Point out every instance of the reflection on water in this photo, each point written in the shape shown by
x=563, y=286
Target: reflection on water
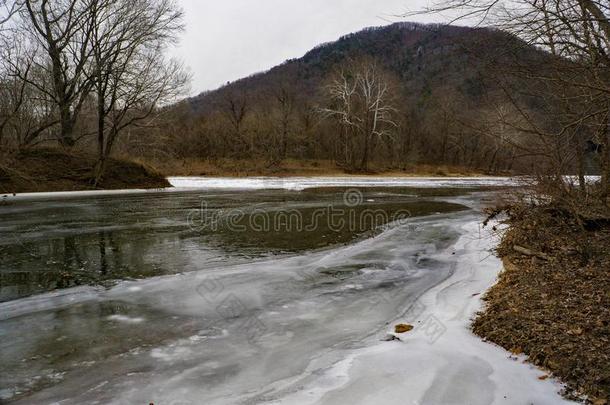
x=47, y=245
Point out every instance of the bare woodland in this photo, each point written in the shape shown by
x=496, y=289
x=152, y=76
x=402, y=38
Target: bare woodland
x=356, y=103
x=83, y=72
x=361, y=105
x=572, y=87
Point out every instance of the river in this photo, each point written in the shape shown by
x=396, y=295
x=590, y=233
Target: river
x=217, y=292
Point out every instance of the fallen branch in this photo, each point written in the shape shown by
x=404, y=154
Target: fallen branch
x=529, y=252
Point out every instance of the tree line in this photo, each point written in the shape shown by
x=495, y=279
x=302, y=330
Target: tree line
x=94, y=74
x=542, y=108
x=358, y=113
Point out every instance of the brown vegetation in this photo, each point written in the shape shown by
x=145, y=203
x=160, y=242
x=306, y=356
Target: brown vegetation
x=294, y=167
x=56, y=170
x=552, y=301
x=403, y=328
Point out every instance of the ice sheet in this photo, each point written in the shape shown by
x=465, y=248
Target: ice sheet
x=301, y=183
x=441, y=361
x=52, y=195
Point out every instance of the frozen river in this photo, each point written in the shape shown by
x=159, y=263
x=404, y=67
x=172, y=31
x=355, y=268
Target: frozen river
x=227, y=294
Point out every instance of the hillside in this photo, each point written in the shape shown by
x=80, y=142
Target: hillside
x=425, y=57
x=445, y=82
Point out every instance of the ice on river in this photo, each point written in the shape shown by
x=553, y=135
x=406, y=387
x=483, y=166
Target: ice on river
x=440, y=361
x=297, y=328
x=284, y=183
x=302, y=183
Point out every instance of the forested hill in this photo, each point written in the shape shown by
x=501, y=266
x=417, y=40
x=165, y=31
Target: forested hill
x=443, y=82
x=426, y=57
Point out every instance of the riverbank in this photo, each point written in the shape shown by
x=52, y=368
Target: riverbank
x=46, y=169
x=293, y=167
x=552, y=301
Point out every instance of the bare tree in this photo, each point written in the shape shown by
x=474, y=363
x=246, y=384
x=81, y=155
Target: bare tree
x=361, y=103
x=25, y=112
x=151, y=82
x=63, y=30
x=236, y=109
x=286, y=103
x=12, y=89
x=577, y=34
x=131, y=77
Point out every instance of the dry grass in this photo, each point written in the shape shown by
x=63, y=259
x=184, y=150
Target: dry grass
x=292, y=167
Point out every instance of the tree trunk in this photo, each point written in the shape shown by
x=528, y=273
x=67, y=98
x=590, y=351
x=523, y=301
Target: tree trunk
x=605, y=181
x=599, y=15
x=66, y=138
x=490, y=168
x=364, y=164
x=63, y=100
x=580, y=155
x=284, y=148
x=100, y=167
x=100, y=129
x=444, y=146
x=98, y=171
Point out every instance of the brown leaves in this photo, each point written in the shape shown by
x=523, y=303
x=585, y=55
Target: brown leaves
x=403, y=328
x=516, y=351
x=575, y=331
x=556, y=311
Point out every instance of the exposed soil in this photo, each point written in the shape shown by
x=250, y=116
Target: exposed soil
x=552, y=301
x=45, y=169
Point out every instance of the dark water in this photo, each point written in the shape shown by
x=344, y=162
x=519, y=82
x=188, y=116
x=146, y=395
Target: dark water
x=48, y=245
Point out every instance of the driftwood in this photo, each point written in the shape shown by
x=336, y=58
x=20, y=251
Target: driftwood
x=529, y=252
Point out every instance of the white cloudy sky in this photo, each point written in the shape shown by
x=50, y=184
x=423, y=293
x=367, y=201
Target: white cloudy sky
x=229, y=39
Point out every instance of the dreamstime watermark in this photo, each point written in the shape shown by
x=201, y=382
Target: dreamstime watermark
x=353, y=197
x=417, y=315
x=227, y=305
x=352, y=215
x=429, y=325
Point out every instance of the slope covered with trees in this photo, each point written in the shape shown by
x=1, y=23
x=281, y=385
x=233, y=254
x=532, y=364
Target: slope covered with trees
x=444, y=88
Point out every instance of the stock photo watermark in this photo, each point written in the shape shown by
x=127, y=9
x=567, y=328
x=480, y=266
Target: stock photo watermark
x=352, y=213
x=228, y=305
x=430, y=326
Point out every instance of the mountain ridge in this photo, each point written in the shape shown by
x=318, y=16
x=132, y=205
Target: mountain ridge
x=416, y=38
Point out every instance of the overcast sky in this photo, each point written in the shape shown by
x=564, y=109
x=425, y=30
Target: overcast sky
x=229, y=39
